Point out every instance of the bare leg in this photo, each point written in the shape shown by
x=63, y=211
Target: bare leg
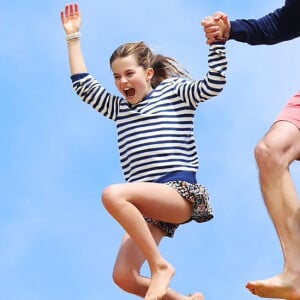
x=128, y=265
x=274, y=154
x=127, y=203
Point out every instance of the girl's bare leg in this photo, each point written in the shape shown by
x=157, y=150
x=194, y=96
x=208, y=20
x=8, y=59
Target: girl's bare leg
x=128, y=203
x=279, y=148
x=128, y=265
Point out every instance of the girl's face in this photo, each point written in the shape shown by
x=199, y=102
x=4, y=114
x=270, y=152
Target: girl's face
x=132, y=80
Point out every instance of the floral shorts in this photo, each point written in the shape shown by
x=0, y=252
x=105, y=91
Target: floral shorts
x=196, y=194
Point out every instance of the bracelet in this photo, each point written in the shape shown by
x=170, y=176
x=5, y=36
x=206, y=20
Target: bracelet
x=73, y=36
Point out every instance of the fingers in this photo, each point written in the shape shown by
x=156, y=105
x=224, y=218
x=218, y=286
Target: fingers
x=211, y=40
x=216, y=27
x=219, y=15
x=64, y=14
x=225, y=20
x=77, y=12
x=70, y=11
x=211, y=36
x=62, y=17
x=207, y=21
x=210, y=28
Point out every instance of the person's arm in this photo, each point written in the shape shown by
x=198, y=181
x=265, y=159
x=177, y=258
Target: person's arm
x=196, y=91
x=71, y=20
x=87, y=87
x=281, y=25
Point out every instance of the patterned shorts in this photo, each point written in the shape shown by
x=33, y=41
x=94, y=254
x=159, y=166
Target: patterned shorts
x=196, y=194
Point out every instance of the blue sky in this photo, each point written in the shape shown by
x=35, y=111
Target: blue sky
x=57, y=154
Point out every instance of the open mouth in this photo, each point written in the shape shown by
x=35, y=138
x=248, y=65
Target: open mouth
x=129, y=92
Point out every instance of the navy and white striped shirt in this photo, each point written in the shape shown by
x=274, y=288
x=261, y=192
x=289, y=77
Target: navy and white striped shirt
x=156, y=136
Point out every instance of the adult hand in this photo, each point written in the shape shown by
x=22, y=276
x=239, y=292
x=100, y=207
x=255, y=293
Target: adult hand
x=216, y=27
x=71, y=18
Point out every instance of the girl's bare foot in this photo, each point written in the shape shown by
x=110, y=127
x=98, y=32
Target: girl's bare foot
x=159, y=283
x=281, y=286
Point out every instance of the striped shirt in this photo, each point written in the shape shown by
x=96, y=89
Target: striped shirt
x=156, y=136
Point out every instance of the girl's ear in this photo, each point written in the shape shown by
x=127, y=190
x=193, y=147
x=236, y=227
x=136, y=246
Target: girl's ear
x=150, y=73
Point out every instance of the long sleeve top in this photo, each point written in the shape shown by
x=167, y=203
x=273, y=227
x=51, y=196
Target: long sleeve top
x=281, y=25
x=156, y=136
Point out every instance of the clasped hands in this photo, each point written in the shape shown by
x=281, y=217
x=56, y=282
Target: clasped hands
x=216, y=28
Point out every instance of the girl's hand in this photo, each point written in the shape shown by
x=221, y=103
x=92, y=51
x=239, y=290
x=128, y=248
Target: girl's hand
x=216, y=27
x=71, y=18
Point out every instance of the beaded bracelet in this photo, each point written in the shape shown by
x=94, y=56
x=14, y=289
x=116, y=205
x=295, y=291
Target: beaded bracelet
x=73, y=36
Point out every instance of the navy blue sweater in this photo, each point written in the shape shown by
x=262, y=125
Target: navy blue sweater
x=281, y=25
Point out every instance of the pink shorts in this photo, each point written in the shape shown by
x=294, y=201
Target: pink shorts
x=291, y=112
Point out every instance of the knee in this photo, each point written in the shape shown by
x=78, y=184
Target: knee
x=126, y=280
x=267, y=157
x=261, y=153
x=110, y=197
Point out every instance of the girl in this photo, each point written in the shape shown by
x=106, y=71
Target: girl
x=154, y=120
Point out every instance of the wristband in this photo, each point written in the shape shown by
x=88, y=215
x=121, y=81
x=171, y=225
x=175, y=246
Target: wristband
x=73, y=36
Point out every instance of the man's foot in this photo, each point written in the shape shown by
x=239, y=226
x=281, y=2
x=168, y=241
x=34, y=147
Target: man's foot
x=159, y=283
x=196, y=296
x=276, y=287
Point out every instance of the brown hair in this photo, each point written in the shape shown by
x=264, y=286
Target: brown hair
x=164, y=67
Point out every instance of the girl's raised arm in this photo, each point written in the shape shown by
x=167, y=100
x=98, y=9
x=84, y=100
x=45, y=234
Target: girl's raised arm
x=71, y=20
